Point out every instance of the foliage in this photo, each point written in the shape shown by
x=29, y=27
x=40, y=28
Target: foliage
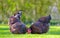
x=32, y=9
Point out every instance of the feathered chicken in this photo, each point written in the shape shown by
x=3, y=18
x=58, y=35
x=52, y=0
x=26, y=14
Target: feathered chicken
x=41, y=26
x=16, y=26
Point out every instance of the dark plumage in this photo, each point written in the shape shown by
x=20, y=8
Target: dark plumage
x=16, y=26
x=41, y=26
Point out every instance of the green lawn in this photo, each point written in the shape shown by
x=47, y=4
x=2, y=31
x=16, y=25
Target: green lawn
x=54, y=32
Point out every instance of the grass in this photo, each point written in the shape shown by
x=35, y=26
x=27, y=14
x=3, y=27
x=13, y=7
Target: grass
x=54, y=32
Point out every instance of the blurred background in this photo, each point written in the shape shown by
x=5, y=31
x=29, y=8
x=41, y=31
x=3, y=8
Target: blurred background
x=32, y=10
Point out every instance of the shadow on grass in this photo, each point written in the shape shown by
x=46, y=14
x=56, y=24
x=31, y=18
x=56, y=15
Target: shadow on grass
x=49, y=33
x=4, y=28
x=4, y=33
x=52, y=31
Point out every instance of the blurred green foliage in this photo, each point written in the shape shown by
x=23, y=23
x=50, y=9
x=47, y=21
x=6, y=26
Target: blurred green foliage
x=32, y=9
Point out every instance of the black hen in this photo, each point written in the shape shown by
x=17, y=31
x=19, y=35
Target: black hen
x=16, y=26
x=41, y=26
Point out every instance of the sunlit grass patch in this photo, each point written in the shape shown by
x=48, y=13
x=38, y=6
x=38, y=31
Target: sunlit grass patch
x=54, y=32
